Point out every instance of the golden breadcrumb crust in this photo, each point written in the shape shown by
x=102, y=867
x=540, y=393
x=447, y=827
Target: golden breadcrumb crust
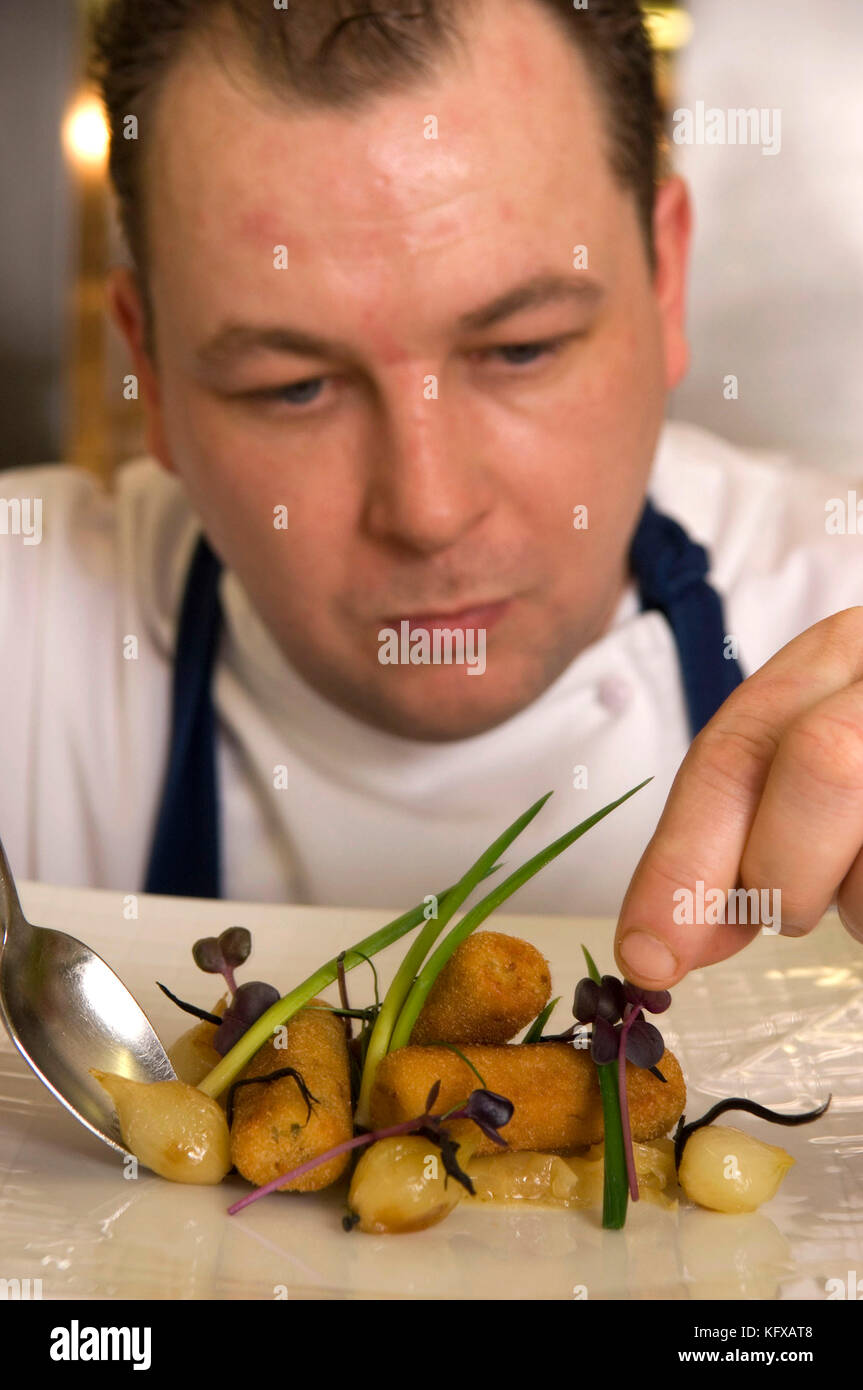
x=491, y=988
x=553, y=1086
x=272, y=1132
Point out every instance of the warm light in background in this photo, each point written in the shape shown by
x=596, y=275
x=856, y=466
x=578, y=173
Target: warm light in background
x=85, y=133
x=669, y=28
x=85, y=130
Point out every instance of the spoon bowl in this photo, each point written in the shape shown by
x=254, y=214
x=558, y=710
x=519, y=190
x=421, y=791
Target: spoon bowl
x=66, y=1011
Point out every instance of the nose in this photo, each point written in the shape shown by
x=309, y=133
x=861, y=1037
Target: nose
x=427, y=486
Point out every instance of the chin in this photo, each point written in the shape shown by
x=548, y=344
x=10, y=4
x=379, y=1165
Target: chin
x=445, y=710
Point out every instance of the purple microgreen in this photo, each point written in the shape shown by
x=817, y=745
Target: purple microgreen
x=603, y=1005
x=615, y=1191
x=229, y=1068
x=628, y=1024
x=432, y=1096
x=229, y=1032
x=449, y=1148
x=534, y=1032
x=491, y=1112
x=613, y=998
x=586, y=1002
x=644, y=1045
x=603, y=1000
x=265, y=1080
x=190, y=1008
x=221, y=955
x=751, y=1107
x=207, y=955
x=492, y=1134
x=489, y=1108
x=657, y=1073
x=250, y=1002
x=655, y=1001
x=228, y=972
x=236, y=944
x=604, y=1044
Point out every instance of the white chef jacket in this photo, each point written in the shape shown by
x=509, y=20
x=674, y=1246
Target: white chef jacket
x=367, y=819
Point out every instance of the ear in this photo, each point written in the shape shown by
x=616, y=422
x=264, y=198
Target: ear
x=672, y=233
x=126, y=306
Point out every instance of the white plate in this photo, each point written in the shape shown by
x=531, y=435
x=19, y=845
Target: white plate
x=781, y=1022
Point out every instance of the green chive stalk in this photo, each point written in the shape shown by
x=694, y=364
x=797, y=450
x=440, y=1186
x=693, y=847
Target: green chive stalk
x=419, y=992
x=535, y=1031
x=226, y=1071
x=380, y=1040
x=615, y=1192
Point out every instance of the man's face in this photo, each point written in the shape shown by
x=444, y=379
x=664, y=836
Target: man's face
x=429, y=461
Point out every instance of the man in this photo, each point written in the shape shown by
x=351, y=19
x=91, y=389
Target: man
x=406, y=309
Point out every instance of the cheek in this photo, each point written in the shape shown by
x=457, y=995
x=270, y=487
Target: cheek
x=620, y=407
x=242, y=479
x=609, y=423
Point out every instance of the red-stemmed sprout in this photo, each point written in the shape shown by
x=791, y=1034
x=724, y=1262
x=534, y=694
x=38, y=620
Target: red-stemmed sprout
x=487, y=1109
x=614, y=1007
x=250, y=1001
x=221, y=956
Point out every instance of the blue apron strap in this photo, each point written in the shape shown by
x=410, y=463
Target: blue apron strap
x=184, y=859
x=671, y=573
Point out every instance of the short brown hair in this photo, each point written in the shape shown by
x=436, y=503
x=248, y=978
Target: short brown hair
x=336, y=53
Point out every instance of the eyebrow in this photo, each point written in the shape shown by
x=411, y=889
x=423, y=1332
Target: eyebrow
x=236, y=340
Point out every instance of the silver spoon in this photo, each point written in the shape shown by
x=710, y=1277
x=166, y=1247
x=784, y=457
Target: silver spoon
x=66, y=1011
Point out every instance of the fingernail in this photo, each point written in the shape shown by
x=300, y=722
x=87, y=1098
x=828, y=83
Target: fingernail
x=646, y=955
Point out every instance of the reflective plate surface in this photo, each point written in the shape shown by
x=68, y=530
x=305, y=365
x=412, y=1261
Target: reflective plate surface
x=781, y=1022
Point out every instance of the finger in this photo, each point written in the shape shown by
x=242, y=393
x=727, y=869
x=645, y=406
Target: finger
x=808, y=827
x=703, y=830
x=849, y=900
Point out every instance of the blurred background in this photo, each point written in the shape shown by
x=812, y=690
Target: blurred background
x=776, y=293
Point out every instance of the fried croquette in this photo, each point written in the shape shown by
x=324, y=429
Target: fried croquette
x=554, y=1088
x=272, y=1130
x=493, y=986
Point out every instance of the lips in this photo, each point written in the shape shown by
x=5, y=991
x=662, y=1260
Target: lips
x=475, y=615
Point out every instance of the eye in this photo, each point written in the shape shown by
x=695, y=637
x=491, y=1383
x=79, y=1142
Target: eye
x=525, y=354
x=298, y=393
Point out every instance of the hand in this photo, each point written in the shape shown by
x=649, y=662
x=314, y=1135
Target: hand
x=769, y=797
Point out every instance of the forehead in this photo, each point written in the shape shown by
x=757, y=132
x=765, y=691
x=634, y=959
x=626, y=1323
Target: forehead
x=505, y=147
